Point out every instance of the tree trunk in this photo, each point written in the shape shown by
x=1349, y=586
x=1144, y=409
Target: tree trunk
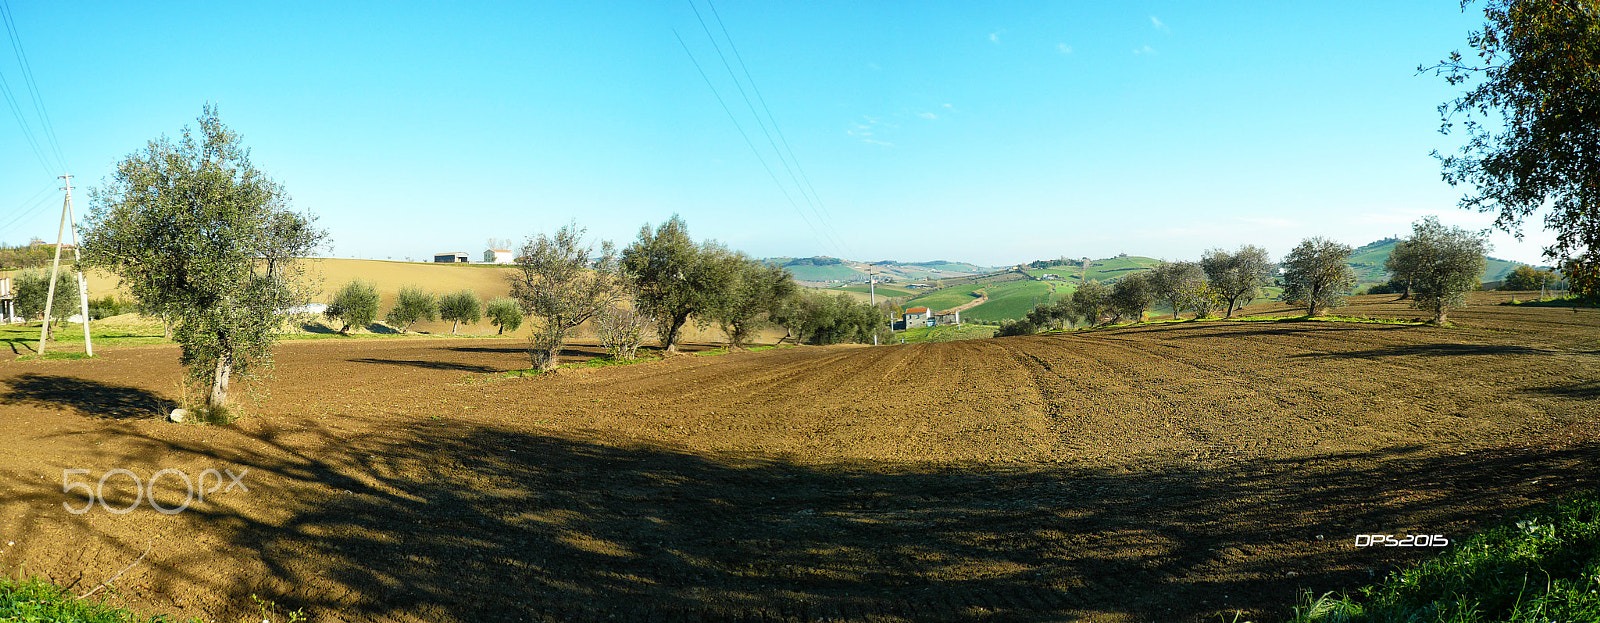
x=219, y=380
x=671, y=337
x=502, y=330
x=453, y=325
x=1438, y=316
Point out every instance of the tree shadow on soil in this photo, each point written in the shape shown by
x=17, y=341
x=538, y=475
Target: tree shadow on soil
x=88, y=398
x=486, y=524
x=1442, y=349
x=431, y=365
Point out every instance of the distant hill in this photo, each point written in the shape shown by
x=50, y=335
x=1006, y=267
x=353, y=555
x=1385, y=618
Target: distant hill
x=823, y=270
x=1012, y=292
x=1367, y=262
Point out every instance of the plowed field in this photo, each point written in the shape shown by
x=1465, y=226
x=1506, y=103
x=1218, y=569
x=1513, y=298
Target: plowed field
x=1153, y=473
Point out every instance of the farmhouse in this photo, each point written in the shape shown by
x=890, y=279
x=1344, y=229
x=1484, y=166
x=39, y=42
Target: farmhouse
x=459, y=257
x=947, y=318
x=499, y=256
x=918, y=317
x=8, y=309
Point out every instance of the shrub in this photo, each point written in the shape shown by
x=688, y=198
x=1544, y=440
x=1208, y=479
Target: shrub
x=354, y=305
x=459, y=307
x=411, y=305
x=505, y=313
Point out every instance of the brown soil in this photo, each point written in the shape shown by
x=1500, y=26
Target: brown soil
x=1153, y=473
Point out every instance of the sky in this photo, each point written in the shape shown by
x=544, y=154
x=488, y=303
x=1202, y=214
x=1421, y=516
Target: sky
x=987, y=132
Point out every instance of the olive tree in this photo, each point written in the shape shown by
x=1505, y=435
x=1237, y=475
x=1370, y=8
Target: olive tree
x=411, y=305
x=459, y=307
x=1237, y=276
x=30, y=294
x=1442, y=264
x=505, y=313
x=1402, y=259
x=196, y=233
x=1092, y=300
x=621, y=330
x=1182, y=285
x=563, y=282
x=755, y=292
x=675, y=279
x=1315, y=274
x=1531, y=127
x=354, y=305
x=1130, y=297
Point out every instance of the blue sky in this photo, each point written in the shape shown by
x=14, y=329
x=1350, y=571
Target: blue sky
x=987, y=132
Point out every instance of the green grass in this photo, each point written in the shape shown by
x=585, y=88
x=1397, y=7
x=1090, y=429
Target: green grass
x=24, y=338
x=884, y=290
x=1545, y=566
x=1565, y=301
x=947, y=333
x=35, y=600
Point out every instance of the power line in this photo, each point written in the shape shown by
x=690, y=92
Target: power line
x=827, y=228
x=764, y=107
x=27, y=132
x=33, y=85
x=747, y=140
x=39, y=200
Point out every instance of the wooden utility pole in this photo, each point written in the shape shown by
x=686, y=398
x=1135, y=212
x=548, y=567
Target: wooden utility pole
x=55, y=269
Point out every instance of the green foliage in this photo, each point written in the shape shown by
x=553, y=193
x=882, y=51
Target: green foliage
x=1544, y=566
x=505, y=313
x=1531, y=124
x=756, y=291
x=31, y=288
x=1016, y=327
x=1130, y=297
x=1236, y=278
x=555, y=283
x=1315, y=274
x=1442, y=264
x=459, y=307
x=1527, y=278
x=33, y=255
x=1181, y=285
x=1092, y=301
x=203, y=238
x=944, y=333
x=817, y=318
x=354, y=305
x=36, y=599
x=108, y=306
x=411, y=305
x=675, y=279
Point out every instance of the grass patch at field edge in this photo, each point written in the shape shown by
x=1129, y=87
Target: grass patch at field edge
x=1544, y=566
x=35, y=599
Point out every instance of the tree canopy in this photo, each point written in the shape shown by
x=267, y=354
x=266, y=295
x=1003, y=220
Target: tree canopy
x=199, y=235
x=563, y=282
x=1442, y=264
x=674, y=279
x=1237, y=277
x=1531, y=123
x=1315, y=274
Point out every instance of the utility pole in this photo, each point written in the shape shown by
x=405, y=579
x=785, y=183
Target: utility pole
x=872, y=293
x=55, y=269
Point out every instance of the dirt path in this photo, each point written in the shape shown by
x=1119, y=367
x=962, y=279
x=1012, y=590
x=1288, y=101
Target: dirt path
x=983, y=297
x=1155, y=473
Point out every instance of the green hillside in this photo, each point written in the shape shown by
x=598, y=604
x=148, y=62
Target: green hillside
x=1367, y=262
x=1007, y=300
x=884, y=290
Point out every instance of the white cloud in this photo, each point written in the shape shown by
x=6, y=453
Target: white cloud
x=947, y=106
x=994, y=37
x=1064, y=48
x=874, y=67
x=877, y=142
x=928, y=115
x=1147, y=50
x=1158, y=25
